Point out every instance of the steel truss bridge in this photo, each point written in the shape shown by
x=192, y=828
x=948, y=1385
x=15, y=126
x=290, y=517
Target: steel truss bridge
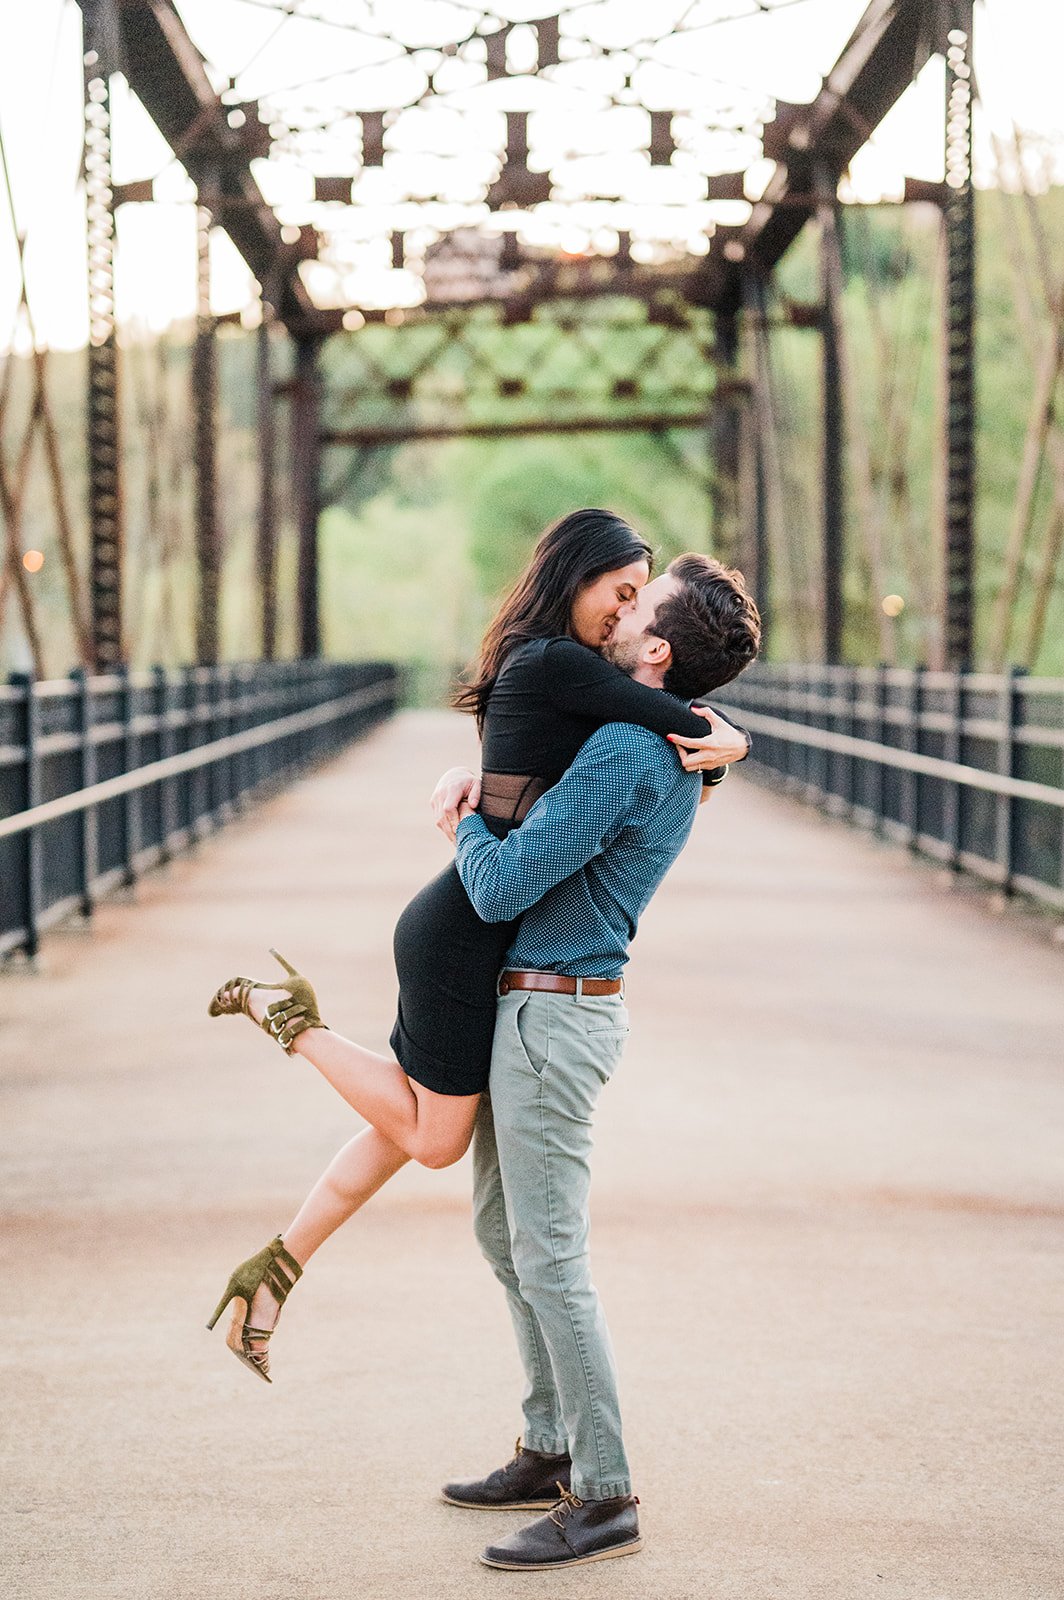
x=426, y=370
x=512, y=339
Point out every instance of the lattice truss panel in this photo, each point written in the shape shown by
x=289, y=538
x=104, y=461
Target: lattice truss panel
x=605, y=363
x=606, y=131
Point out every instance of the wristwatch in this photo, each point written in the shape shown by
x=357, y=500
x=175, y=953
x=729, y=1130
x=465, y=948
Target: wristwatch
x=711, y=779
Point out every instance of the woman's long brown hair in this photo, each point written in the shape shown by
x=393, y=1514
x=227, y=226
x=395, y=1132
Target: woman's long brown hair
x=568, y=555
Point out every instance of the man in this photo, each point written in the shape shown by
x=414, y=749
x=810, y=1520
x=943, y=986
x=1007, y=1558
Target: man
x=579, y=871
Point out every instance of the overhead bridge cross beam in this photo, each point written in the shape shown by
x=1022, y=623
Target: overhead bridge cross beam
x=367, y=435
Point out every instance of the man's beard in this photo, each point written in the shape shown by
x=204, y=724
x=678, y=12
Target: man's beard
x=623, y=653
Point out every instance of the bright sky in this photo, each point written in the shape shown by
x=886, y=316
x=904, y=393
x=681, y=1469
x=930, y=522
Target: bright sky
x=580, y=129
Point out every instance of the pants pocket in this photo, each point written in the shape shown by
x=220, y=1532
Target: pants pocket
x=607, y=1035
x=532, y=1027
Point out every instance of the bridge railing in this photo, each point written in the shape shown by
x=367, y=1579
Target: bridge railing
x=104, y=777
x=965, y=767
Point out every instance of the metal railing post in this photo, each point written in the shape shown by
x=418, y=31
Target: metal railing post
x=879, y=734
x=913, y=789
x=216, y=773
x=239, y=764
x=220, y=727
x=1005, y=817
x=131, y=801
x=953, y=801
x=198, y=778
x=850, y=716
x=31, y=789
x=88, y=833
x=167, y=747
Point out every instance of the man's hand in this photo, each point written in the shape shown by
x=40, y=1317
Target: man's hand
x=720, y=748
x=456, y=794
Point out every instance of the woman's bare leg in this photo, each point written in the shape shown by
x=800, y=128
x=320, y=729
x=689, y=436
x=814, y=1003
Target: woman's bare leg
x=433, y=1129
x=352, y=1177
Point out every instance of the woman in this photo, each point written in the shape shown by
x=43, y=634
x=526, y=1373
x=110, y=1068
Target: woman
x=540, y=691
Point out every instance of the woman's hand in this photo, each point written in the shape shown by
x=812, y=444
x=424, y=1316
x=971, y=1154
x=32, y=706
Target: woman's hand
x=456, y=788
x=722, y=746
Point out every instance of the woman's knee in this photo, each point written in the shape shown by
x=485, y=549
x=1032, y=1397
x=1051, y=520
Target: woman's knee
x=437, y=1151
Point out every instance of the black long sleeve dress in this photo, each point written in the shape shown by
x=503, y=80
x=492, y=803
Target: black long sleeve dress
x=548, y=699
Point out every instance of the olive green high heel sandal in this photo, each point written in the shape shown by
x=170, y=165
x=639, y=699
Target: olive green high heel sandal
x=285, y=1019
x=280, y=1271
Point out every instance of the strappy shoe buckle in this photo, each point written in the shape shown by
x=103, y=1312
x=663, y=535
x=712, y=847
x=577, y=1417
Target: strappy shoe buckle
x=285, y=1019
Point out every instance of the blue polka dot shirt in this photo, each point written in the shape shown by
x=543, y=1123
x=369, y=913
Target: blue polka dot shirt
x=583, y=865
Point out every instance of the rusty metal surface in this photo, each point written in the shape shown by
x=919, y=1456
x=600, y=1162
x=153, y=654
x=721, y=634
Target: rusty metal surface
x=959, y=213
x=103, y=411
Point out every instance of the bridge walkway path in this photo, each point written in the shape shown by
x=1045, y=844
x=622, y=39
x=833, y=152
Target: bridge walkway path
x=828, y=1218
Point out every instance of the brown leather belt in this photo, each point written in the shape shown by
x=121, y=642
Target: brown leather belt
x=558, y=983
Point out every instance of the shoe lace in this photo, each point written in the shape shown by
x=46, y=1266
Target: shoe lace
x=568, y=1502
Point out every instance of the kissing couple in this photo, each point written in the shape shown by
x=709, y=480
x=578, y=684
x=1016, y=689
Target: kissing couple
x=511, y=1016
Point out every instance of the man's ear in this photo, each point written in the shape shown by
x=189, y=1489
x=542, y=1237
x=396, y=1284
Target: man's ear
x=657, y=652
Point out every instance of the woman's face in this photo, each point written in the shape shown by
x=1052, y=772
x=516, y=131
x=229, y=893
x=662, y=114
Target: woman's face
x=599, y=603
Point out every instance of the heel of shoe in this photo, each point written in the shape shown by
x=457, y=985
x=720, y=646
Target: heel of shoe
x=278, y=1270
x=227, y=1298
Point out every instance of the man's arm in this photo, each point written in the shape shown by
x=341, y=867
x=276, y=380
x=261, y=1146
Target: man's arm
x=565, y=829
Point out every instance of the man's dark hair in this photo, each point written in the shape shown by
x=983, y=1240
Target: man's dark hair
x=711, y=624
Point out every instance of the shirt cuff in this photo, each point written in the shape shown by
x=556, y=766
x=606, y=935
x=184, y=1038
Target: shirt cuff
x=473, y=824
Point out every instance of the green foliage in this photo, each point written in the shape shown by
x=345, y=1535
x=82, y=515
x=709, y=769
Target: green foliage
x=418, y=581
x=516, y=490
x=423, y=538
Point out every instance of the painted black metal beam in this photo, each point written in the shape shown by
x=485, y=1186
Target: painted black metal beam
x=959, y=214
x=305, y=397
x=833, y=424
x=370, y=435
x=266, y=522
x=725, y=440
x=888, y=47
x=103, y=400
x=204, y=376
x=166, y=72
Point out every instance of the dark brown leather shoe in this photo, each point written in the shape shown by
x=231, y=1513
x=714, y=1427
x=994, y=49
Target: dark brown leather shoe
x=530, y=1482
x=572, y=1534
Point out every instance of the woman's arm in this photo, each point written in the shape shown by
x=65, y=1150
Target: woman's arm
x=581, y=682
x=458, y=784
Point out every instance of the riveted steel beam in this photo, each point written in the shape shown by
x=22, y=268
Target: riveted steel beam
x=205, y=430
x=833, y=443
x=888, y=47
x=959, y=215
x=305, y=395
x=725, y=440
x=267, y=511
x=167, y=73
x=103, y=410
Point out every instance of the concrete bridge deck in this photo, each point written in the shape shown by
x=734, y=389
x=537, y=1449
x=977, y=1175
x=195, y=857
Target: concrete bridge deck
x=828, y=1219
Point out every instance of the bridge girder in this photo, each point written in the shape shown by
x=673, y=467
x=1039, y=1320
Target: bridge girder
x=889, y=46
x=167, y=73
x=812, y=146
